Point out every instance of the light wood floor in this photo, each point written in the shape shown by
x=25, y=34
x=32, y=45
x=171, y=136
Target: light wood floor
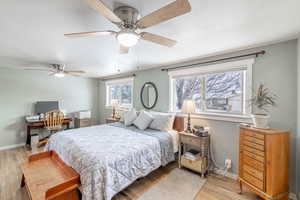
x=216, y=187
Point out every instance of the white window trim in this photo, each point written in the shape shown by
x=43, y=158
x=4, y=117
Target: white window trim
x=245, y=64
x=118, y=81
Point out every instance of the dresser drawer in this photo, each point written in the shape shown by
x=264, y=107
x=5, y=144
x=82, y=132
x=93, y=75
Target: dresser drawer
x=254, y=151
x=255, y=173
x=253, y=181
x=254, y=156
x=253, y=134
x=254, y=140
x=253, y=163
x=254, y=145
x=190, y=140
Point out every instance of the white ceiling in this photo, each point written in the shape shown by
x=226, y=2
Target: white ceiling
x=32, y=32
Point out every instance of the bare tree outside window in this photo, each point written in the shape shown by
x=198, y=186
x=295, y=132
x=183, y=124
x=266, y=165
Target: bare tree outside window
x=221, y=92
x=188, y=88
x=121, y=92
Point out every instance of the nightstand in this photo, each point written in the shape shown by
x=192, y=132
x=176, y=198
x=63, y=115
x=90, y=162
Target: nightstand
x=111, y=120
x=201, y=144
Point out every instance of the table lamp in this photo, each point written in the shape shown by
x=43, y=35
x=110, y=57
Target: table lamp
x=114, y=103
x=188, y=107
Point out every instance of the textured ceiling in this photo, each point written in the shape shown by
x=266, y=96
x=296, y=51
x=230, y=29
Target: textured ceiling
x=32, y=32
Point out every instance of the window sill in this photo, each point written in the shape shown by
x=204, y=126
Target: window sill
x=119, y=108
x=221, y=117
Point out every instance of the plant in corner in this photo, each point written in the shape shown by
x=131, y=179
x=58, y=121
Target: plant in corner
x=261, y=102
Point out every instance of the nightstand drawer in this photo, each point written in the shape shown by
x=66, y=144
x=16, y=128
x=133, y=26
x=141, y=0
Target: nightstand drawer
x=190, y=140
x=198, y=165
x=111, y=120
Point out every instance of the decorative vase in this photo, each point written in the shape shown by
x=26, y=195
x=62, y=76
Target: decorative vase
x=260, y=120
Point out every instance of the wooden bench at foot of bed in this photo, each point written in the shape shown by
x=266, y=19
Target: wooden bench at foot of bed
x=47, y=177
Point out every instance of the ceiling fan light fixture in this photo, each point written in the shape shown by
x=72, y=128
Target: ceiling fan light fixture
x=59, y=74
x=128, y=38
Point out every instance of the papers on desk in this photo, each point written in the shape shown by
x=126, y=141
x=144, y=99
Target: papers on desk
x=34, y=118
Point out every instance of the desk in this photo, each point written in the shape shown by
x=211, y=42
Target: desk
x=40, y=124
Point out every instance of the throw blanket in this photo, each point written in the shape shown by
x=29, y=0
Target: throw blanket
x=110, y=157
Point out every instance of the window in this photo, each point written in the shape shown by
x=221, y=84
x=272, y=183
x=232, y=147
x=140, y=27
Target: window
x=120, y=90
x=216, y=89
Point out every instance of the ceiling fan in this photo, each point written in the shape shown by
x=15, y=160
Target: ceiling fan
x=127, y=19
x=58, y=70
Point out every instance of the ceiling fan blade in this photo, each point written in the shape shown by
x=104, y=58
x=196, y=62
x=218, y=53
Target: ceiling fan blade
x=172, y=10
x=74, y=71
x=91, y=33
x=104, y=10
x=158, y=39
x=123, y=49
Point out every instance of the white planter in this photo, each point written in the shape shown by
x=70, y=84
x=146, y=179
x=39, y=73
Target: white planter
x=260, y=120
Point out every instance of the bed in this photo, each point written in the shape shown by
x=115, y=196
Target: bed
x=110, y=157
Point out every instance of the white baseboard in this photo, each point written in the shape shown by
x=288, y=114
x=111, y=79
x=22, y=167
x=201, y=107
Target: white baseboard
x=292, y=196
x=11, y=146
x=228, y=174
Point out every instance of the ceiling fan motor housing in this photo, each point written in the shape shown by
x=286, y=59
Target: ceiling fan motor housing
x=128, y=15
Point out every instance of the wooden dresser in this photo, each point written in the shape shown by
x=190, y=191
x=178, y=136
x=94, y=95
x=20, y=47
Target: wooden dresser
x=264, y=162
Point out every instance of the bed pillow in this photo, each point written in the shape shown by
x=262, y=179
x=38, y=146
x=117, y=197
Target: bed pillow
x=143, y=120
x=162, y=121
x=129, y=117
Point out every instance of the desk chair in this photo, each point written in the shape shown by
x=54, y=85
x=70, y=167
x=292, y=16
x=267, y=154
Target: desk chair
x=53, y=122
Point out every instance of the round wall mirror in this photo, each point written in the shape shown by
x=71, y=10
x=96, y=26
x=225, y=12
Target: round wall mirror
x=149, y=95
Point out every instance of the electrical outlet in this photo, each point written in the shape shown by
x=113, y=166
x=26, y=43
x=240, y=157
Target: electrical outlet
x=228, y=164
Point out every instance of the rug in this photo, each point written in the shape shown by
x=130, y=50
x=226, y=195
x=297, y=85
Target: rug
x=179, y=184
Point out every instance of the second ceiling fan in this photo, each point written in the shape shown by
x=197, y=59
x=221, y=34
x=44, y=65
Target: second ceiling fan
x=126, y=18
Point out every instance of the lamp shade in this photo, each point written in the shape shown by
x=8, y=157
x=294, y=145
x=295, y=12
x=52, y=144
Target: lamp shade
x=114, y=102
x=188, y=106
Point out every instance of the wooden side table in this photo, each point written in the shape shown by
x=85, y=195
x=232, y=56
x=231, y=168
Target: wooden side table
x=111, y=120
x=47, y=177
x=202, y=144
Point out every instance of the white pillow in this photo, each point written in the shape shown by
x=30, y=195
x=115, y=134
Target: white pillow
x=143, y=120
x=162, y=121
x=129, y=117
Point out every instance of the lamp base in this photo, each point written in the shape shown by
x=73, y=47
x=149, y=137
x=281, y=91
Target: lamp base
x=189, y=129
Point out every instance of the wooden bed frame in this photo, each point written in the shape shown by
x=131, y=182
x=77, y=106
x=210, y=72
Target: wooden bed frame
x=46, y=176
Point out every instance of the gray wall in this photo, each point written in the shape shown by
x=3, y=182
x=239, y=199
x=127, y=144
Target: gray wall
x=277, y=68
x=20, y=89
x=298, y=125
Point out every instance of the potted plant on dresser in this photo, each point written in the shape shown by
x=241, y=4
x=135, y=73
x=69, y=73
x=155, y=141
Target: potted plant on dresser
x=262, y=100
